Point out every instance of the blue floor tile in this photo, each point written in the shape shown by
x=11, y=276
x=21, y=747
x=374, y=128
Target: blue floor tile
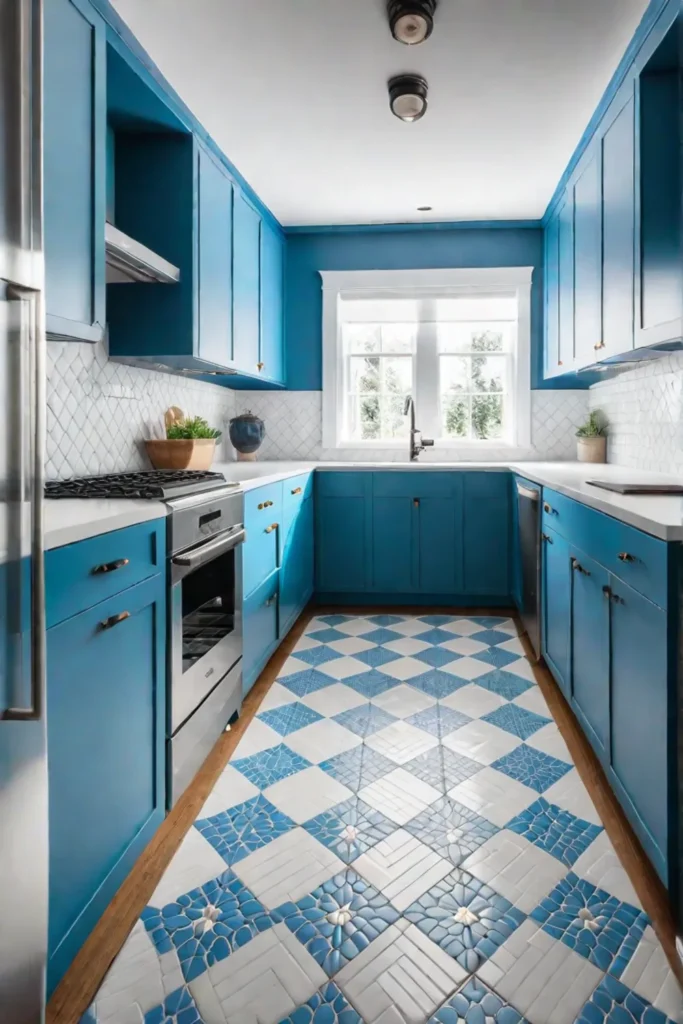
x=437, y=684
x=269, y=766
x=594, y=924
x=358, y=767
x=517, y=721
x=532, y=767
x=177, y=1008
x=451, y=829
x=496, y=656
x=339, y=919
x=290, y=717
x=375, y=657
x=505, y=684
x=381, y=635
x=306, y=681
x=436, y=656
x=491, y=637
x=555, y=830
x=438, y=620
x=334, y=620
x=613, y=1003
x=439, y=720
x=318, y=655
x=326, y=636
x=326, y=1006
x=476, y=1004
x=209, y=923
x=465, y=918
x=365, y=719
x=385, y=620
x=371, y=684
x=350, y=828
x=442, y=768
x=239, y=831
x=435, y=636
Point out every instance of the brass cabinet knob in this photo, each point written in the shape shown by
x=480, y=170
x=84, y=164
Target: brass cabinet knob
x=259, y=366
x=416, y=502
x=549, y=509
x=560, y=363
x=114, y=620
x=297, y=490
x=577, y=567
x=273, y=526
x=599, y=345
x=109, y=566
x=624, y=556
x=261, y=505
x=607, y=591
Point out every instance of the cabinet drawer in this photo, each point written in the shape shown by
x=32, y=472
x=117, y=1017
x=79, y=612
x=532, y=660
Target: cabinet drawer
x=263, y=523
x=343, y=484
x=414, y=483
x=260, y=629
x=635, y=557
x=294, y=493
x=81, y=575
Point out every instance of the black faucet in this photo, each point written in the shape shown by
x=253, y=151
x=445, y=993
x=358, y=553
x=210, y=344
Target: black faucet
x=415, y=449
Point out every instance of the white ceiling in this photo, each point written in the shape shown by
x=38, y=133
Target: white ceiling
x=294, y=92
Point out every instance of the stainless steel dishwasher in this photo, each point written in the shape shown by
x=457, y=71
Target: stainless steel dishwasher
x=529, y=541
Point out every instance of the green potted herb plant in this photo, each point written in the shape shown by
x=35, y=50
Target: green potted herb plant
x=591, y=438
x=189, y=444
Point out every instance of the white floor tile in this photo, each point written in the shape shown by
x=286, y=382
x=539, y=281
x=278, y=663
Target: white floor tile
x=305, y=643
x=571, y=795
x=322, y=740
x=600, y=865
x=410, y=627
x=404, y=668
x=514, y=646
x=292, y=665
x=649, y=974
x=259, y=736
x=533, y=700
x=231, y=788
x=306, y=794
x=334, y=699
x=464, y=645
x=401, y=742
x=342, y=668
x=260, y=983
x=544, y=980
x=467, y=668
x=399, y=796
x=549, y=740
x=138, y=980
x=400, y=978
x=494, y=795
x=356, y=627
x=518, y=870
x=402, y=868
x=314, y=624
x=509, y=626
x=194, y=863
x=481, y=741
x=403, y=701
x=407, y=645
x=464, y=627
x=277, y=696
x=291, y=866
x=351, y=645
x=522, y=668
x=473, y=700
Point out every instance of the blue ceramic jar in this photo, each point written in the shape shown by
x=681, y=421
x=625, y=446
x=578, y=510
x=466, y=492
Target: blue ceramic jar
x=247, y=432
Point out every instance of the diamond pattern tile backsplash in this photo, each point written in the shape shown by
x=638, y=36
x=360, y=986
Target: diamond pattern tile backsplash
x=644, y=409
x=98, y=412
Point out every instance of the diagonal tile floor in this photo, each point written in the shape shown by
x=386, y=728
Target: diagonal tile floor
x=400, y=838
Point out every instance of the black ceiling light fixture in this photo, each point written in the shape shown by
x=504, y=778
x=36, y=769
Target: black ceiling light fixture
x=408, y=97
x=411, y=21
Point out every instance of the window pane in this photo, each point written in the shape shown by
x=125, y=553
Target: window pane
x=396, y=374
x=487, y=417
x=364, y=374
x=487, y=339
x=482, y=307
x=369, y=419
x=398, y=337
x=362, y=337
x=477, y=337
x=394, y=423
x=455, y=415
x=455, y=373
x=488, y=373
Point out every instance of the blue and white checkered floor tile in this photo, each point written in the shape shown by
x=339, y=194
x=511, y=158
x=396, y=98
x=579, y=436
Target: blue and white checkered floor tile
x=400, y=837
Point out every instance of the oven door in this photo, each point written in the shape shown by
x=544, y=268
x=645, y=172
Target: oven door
x=205, y=620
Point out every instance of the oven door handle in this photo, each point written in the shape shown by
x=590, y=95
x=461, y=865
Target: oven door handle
x=212, y=549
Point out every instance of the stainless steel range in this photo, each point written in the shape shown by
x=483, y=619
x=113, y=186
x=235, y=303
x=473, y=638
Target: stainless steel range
x=205, y=531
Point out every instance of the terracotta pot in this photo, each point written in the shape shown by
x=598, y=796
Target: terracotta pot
x=182, y=454
x=591, y=449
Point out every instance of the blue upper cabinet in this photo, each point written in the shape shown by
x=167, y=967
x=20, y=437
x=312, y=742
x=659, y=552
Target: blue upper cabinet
x=588, y=260
x=565, y=266
x=551, y=344
x=215, y=262
x=247, y=285
x=272, y=358
x=618, y=229
x=74, y=172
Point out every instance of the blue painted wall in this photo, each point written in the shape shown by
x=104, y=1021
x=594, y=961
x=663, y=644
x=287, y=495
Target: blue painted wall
x=399, y=248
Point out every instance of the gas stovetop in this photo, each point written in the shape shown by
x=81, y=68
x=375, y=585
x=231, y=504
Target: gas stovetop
x=159, y=484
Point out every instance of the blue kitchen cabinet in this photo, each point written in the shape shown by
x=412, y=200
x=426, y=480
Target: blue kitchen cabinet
x=106, y=743
x=439, y=541
x=296, y=574
x=260, y=629
x=516, y=550
x=486, y=536
x=643, y=732
x=392, y=543
x=589, y=655
x=343, y=532
x=75, y=125
x=272, y=351
x=551, y=338
x=556, y=589
x=215, y=262
x=263, y=524
x=618, y=229
x=565, y=270
x=246, y=285
x=588, y=259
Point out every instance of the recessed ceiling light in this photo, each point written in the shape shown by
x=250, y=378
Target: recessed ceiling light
x=424, y=209
x=411, y=21
x=408, y=97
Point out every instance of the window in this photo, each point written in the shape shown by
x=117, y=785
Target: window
x=457, y=341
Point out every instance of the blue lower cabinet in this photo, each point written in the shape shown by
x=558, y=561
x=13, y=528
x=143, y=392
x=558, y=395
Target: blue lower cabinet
x=260, y=626
x=642, y=730
x=343, y=523
x=556, y=606
x=392, y=544
x=106, y=692
x=590, y=649
x=486, y=534
x=263, y=521
x=296, y=574
x=439, y=543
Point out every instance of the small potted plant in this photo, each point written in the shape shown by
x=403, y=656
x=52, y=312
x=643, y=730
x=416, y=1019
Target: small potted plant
x=190, y=444
x=591, y=438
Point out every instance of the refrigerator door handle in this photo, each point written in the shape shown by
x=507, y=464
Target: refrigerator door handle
x=31, y=482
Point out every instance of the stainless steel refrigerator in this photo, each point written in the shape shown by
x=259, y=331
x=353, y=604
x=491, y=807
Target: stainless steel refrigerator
x=23, y=766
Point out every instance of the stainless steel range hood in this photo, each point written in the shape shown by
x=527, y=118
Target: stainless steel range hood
x=130, y=261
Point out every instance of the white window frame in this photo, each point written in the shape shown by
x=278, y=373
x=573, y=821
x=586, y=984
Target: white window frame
x=463, y=281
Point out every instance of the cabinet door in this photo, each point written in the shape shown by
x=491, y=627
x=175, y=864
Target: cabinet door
x=75, y=126
x=640, y=730
x=590, y=649
x=343, y=530
x=246, y=285
x=440, y=547
x=565, y=250
x=215, y=262
x=486, y=534
x=260, y=630
x=552, y=297
x=619, y=230
x=588, y=262
x=296, y=574
x=272, y=304
x=556, y=607
x=392, y=544
x=106, y=739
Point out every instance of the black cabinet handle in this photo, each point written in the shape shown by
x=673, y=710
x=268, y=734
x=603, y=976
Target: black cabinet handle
x=114, y=620
x=547, y=538
x=576, y=565
x=624, y=556
x=109, y=566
